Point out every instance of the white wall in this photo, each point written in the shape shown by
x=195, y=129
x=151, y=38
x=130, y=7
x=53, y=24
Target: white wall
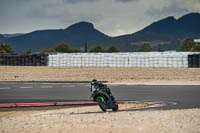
x=132, y=59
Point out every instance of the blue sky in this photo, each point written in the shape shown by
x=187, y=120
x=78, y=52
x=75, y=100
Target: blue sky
x=113, y=17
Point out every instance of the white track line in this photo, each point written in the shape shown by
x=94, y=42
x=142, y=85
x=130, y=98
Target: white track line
x=26, y=87
x=46, y=86
x=69, y=86
x=4, y=88
x=59, y=83
x=87, y=85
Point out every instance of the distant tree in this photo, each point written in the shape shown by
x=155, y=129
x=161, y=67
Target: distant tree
x=188, y=45
x=97, y=49
x=2, y=50
x=6, y=48
x=48, y=50
x=160, y=49
x=76, y=51
x=63, y=48
x=28, y=51
x=112, y=49
x=197, y=48
x=145, y=48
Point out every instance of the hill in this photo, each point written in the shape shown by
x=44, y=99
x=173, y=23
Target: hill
x=75, y=35
x=2, y=38
x=167, y=33
x=12, y=35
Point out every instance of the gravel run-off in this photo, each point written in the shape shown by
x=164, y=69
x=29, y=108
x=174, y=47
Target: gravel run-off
x=91, y=119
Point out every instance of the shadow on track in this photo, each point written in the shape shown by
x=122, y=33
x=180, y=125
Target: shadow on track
x=110, y=111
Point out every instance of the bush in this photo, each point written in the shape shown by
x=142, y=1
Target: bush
x=188, y=45
x=63, y=48
x=97, y=49
x=6, y=48
x=48, y=50
x=112, y=49
x=145, y=48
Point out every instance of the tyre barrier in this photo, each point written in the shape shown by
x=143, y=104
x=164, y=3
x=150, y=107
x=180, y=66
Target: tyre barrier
x=132, y=59
x=24, y=60
x=194, y=60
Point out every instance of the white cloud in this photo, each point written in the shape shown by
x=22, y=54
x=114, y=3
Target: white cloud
x=113, y=17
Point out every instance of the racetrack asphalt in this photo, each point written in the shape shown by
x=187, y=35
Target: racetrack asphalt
x=185, y=96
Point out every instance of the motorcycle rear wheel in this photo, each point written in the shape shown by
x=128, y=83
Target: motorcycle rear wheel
x=115, y=108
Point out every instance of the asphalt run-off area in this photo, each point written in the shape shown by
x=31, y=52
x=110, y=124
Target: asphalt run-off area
x=13, y=94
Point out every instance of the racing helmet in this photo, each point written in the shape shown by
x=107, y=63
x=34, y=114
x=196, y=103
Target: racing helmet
x=94, y=81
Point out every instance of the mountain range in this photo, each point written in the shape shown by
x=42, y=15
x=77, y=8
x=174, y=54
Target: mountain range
x=167, y=33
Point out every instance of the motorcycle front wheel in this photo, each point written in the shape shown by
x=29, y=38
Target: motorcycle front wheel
x=102, y=103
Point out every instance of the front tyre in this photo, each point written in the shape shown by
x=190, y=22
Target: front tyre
x=102, y=103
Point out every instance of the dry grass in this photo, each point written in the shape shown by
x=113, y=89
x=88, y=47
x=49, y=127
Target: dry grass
x=128, y=75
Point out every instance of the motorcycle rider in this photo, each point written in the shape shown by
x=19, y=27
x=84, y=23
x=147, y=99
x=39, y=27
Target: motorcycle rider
x=95, y=86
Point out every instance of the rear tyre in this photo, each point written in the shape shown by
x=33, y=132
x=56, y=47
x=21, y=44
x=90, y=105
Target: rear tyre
x=102, y=104
x=115, y=108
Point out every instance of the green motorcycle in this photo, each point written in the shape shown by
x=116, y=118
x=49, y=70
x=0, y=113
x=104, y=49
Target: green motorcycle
x=103, y=96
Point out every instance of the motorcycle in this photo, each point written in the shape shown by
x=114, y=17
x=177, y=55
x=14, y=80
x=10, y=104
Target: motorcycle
x=103, y=96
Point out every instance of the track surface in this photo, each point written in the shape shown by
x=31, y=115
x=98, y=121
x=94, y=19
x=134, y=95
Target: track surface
x=187, y=96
